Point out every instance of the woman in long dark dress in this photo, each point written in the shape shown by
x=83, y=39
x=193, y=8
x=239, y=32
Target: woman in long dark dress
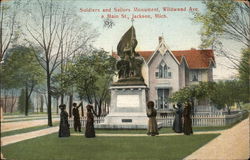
x=90, y=130
x=177, y=125
x=64, y=124
x=152, y=124
x=187, y=127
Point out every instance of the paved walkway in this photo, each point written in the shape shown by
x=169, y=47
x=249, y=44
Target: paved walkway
x=232, y=144
x=145, y=135
x=24, y=136
x=10, y=126
x=26, y=118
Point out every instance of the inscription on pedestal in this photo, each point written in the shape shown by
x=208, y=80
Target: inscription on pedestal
x=126, y=120
x=128, y=101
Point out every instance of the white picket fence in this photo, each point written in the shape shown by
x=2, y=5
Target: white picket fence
x=205, y=120
x=199, y=120
x=84, y=119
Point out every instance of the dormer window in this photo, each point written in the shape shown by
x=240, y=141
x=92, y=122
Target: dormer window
x=163, y=71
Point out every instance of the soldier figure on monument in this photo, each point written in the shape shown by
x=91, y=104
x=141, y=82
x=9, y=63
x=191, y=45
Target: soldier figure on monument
x=130, y=64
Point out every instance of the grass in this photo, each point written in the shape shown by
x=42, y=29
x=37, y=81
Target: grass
x=161, y=131
x=51, y=147
x=26, y=130
x=246, y=106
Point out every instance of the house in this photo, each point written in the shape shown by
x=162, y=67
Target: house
x=166, y=71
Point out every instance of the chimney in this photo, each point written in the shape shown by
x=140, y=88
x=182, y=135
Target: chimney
x=160, y=39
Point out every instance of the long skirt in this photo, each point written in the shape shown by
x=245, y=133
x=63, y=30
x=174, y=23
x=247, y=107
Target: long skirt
x=64, y=130
x=152, y=127
x=187, y=127
x=90, y=130
x=177, y=125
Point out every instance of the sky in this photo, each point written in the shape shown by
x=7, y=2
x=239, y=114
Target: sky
x=177, y=27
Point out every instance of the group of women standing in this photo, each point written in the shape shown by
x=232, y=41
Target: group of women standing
x=64, y=130
x=183, y=121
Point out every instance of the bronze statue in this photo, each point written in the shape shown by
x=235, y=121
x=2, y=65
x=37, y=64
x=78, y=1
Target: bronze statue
x=131, y=62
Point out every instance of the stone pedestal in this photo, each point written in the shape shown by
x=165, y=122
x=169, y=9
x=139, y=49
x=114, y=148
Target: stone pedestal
x=128, y=108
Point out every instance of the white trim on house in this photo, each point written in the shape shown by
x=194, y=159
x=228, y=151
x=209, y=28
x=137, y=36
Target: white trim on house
x=166, y=49
x=185, y=60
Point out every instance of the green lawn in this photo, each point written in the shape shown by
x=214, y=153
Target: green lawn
x=51, y=147
x=25, y=130
x=161, y=131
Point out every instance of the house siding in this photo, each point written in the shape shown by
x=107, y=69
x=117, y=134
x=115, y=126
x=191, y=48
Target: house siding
x=171, y=83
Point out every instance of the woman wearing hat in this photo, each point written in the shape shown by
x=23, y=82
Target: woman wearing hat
x=64, y=124
x=90, y=130
x=177, y=125
x=187, y=127
x=152, y=124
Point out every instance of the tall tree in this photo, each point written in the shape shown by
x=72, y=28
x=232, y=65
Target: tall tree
x=244, y=73
x=225, y=20
x=50, y=25
x=9, y=29
x=22, y=70
x=8, y=33
x=92, y=75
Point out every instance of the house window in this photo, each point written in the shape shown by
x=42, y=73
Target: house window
x=195, y=76
x=162, y=102
x=163, y=71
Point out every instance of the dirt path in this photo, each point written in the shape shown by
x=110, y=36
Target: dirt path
x=9, y=126
x=232, y=144
x=145, y=135
x=24, y=136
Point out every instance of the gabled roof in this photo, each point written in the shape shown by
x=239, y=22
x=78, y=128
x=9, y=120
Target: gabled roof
x=195, y=59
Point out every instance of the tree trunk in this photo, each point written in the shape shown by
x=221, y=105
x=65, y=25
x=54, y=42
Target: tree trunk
x=70, y=104
x=57, y=99
x=82, y=112
x=5, y=104
x=13, y=101
x=62, y=98
x=42, y=102
x=49, y=96
x=26, y=109
x=100, y=108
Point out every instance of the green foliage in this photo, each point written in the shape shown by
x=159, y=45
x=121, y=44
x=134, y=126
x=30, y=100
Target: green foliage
x=226, y=19
x=203, y=90
x=21, y=102
x=244, y=73
x=92, y=75
x=221, y=94
x=21, y=68
x=227, y=93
